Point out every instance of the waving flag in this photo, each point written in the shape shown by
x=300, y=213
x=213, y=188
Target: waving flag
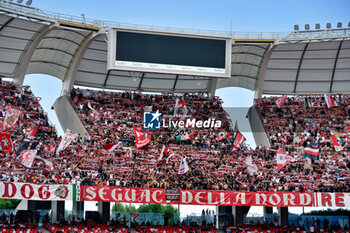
x=5, y=142
x=11, y=117
x=282, y=159
x=222, y=134
x=238, y=141
x=111, y=146
x=312, y=151
x=183, y=166
x=28, y=157
x=280, y=101
x=179, y=104
x=340, y=140
x=68, y=137
x=95, y=113
x=184, y=134
x=165, y=154
x=49, y=149
x=33, y=132
x=141, y=138
x=330, y=101
x=251, y=167
x=48, y=164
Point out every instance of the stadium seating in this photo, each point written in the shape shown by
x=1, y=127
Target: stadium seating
x=305, y=120
x=111, y=118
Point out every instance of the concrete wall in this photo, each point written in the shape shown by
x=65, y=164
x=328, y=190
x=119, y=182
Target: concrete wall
x=257, y=127
x=68, y=117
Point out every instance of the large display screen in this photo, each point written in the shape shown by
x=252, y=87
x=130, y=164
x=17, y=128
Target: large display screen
x=169, y=53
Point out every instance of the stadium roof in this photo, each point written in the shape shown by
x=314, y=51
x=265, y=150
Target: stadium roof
x=75, y=51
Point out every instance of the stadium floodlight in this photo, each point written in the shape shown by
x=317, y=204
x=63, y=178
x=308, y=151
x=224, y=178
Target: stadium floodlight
x=339, y=25
x=318, y=26
x=29, y=2
x=307, y=27
x=328, y=25
x=296, y=27
x=19, y=1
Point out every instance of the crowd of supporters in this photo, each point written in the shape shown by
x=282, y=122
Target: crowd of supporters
x=303, y=121
x=111, y=118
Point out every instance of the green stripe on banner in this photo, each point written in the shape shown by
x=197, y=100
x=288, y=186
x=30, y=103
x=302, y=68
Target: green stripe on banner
x=74, y=193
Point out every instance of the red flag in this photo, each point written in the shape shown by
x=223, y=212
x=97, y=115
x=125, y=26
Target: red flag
x=330, y=101
x=6, y=142
x=340, y=140
x=281, y=101
x=34, y=131
x=165, y=154
x=238, y=141
x=141, y=138
x=111, y=146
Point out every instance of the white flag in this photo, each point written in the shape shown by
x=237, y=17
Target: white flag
x=252, y=168
x=68, y=137
x=183, y=166
x=48, y=164
x=179, y=104
x=11, y=117
x=28, y=157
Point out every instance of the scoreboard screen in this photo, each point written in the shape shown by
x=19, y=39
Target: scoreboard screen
x=169, y=53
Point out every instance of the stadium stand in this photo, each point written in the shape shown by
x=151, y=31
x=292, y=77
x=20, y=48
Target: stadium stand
x=303, y=121
x=210, y=159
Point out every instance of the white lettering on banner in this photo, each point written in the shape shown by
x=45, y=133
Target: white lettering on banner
x=35, y=192
x=278, y=199
x=185, y=199
x=101, y=193
x=154, y=196
x=120, y=195
x=240, y=198
x=145, y=195
x=133, y=195
x=90, y=191
x=210, y=199
x=257, y=198
x=304, y=196
x=222, y=199
x=197, y=197
x=288, y=198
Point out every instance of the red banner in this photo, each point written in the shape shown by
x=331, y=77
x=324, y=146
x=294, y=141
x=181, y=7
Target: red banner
x=196, y=197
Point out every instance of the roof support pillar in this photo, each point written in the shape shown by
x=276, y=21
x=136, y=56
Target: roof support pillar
x=24, y=60
x=335, y=66
x=71, y=72
x=259, y=84
x=299, y=66
x=212, y=87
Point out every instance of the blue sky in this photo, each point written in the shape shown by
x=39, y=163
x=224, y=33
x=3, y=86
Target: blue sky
x=220, y=15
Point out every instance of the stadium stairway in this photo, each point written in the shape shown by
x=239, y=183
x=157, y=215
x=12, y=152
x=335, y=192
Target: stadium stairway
x=68, y=117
